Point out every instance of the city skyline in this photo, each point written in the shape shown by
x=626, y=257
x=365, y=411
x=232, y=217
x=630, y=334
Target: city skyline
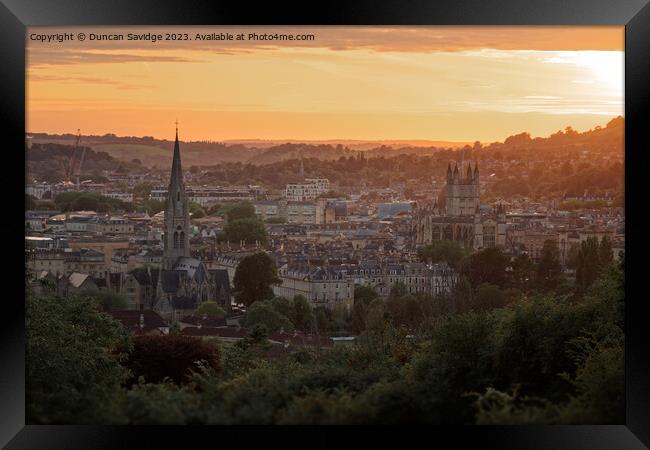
x=357, y=83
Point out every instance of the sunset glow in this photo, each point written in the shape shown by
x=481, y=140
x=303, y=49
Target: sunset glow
x=439, y=83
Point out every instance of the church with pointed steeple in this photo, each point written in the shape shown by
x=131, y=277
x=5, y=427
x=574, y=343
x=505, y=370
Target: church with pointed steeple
x=460, y=218
x=184, y=282
x=176, y=239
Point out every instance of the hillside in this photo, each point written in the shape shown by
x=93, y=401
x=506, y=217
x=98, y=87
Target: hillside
x=157, y=153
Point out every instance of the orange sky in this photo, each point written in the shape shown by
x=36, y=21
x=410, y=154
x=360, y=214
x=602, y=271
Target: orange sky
x=439, y=83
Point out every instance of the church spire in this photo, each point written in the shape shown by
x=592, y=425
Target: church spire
x=176, y=179
x=177, y=217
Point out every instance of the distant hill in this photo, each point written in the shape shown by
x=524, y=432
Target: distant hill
x=156, y=152
x=352, y=144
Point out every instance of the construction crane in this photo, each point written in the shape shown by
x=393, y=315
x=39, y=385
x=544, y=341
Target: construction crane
x=70, y=168
x=81, y=161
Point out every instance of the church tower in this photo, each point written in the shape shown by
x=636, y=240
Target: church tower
x=463, y=194
x=177, y=214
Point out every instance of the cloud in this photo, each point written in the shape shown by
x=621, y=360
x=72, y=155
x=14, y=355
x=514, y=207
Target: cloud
x=41, y=57
x=423, y=39
x=86, y=80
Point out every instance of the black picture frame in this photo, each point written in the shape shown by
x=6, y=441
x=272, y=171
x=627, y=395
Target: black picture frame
x=15, y=15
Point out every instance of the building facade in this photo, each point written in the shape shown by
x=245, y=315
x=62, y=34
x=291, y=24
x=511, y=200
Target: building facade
x=307, y=190
x=460, y=218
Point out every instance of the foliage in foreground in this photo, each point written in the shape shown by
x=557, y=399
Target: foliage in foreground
x=544, y=358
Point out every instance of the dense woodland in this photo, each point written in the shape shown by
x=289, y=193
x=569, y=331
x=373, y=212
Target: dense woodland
x=516, y=342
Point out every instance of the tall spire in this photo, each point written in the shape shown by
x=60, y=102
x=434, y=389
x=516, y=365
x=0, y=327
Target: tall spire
x=177, y=219
x=176, y=179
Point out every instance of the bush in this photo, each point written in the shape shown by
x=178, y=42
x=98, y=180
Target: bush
x=263, y=313
x=158, y=357
x=211, y=309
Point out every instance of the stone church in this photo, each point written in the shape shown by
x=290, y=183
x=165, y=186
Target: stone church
x=184, y=282
x=460, y=218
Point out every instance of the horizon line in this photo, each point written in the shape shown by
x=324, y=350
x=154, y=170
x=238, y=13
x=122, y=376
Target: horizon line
x=294, y=140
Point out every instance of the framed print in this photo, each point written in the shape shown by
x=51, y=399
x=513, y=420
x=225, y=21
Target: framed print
x=270, y=219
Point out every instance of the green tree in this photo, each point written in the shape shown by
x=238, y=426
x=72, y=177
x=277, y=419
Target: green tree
x=248, y=230
x=151, y=206
x=282, y=305
x=486, y=266
x=322, y=320
x=457, y=360
x=573, y=256
x=194, y=207
x=161, y=404
x=301, y=313
x=241, y=210
x=488, y=297
x=213, y=210
x=523, y=272
x=405, y=310
x=142, y=190
x=605, y=252
x=173, y=356
x=363, y=297
x=86, y=202
x=254, y=276
x=108, y=300
x=73, y=375
x=593, y=258
x=210, y=309
x=549, y=269
x=198, y=214
x=450, y=252
x=263, y=313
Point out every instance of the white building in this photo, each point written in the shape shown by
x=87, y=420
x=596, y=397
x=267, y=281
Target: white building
x=308, y=190
x=210, y=195
x=124, y=196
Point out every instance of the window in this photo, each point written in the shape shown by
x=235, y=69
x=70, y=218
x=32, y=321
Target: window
x=182, y=239
x=175, y=239
x=178, y=196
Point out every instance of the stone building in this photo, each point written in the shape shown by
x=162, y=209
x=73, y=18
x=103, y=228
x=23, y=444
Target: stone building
x=460, y=218
x=320, y=285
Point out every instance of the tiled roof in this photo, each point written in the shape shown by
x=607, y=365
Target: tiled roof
x=207, y=322
x=131, y=320
x=77, y=279
x=171, y=281
x=184, y=302
x=226, y=332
